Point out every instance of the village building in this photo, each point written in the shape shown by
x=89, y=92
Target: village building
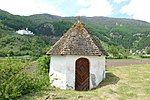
x=77, y=60
x=26, y=32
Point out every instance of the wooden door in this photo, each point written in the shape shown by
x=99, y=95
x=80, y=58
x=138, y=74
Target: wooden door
x=82, y=74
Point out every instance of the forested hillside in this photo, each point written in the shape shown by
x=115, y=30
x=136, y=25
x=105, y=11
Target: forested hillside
x=116, y=34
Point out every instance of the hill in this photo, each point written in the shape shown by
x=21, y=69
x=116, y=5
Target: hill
x=116, y=34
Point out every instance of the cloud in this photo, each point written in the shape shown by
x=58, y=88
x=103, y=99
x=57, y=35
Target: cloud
x=28, y=7
x=137, y=9
x=119, y=1
x=94, y=8
x=84, y=2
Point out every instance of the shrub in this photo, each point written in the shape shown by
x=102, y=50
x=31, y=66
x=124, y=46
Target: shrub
x=145, y=56
x=43, y=64
x=17, y=79
x=148, y=51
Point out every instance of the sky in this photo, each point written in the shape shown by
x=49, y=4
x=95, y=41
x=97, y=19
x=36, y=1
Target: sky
x=135, y=9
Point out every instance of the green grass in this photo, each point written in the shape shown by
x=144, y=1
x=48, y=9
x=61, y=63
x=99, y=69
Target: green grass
x=121, y=83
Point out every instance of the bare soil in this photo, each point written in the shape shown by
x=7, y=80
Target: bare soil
x=115, y=63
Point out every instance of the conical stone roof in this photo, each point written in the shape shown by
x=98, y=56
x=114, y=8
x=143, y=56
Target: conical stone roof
x=77, y=41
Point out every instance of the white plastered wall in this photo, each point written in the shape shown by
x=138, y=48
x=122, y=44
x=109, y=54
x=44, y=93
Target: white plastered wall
x=58, y=71
x=63, y=69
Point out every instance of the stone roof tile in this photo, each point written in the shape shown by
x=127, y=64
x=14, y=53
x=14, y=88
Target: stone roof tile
x=77, y=41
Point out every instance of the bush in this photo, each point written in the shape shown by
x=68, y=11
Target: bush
x=43, y=64
x=43, y=69
x=17, y=79
x=145, y=56
x=148, y=51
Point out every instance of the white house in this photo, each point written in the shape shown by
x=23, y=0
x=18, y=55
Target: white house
x=77, y=60
x=26, y=32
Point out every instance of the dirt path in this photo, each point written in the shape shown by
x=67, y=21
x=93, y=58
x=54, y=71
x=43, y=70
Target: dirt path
x=114, y=63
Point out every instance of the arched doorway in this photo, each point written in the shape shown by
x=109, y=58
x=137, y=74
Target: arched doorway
x=82, y=74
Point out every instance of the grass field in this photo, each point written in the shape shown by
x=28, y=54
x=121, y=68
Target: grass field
x=121, y=83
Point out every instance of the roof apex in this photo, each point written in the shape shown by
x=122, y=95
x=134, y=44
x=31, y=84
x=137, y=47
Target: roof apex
x=78, y=19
